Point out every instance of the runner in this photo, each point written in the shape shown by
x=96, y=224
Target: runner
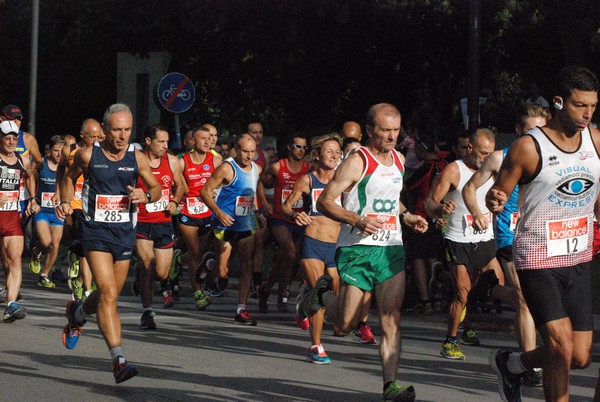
x=321, y=233
x=111, y=169
x=235, y=217
x=48, y=227
x=195, y=217
x=154, y=230
x=14, y=167
x=370, y=253
x=557, y=170
x=530, y=116
x=281, y=176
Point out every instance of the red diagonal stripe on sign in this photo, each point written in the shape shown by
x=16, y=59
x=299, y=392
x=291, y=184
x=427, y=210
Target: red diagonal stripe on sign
x=173, y=97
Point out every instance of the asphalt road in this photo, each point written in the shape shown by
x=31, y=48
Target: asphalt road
x=205, y=356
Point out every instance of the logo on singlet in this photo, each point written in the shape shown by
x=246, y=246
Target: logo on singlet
x=206, y=167
x=553, y=160
x=575, y=186
x=384, y=206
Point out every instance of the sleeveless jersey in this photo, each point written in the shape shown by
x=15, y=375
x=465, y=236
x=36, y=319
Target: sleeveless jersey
x=506, y=221
x=46, y=187
x=261, y=159
x=377, y=195
x=107, y=210
x=460, y=222
x=10, y=179
x=556, y=208
x=237, y=198
x=196, y=176
x=284, y=184
x=155, y=212
x=76, y=200
x=316, y=188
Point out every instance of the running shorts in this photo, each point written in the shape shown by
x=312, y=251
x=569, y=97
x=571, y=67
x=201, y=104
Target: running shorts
x=160, y=233
x=318, y=250
x=364, y=266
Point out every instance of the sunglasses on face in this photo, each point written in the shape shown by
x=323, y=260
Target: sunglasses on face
x=298, y=146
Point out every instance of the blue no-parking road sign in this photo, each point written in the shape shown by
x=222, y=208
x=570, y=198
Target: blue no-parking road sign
x=176, y=92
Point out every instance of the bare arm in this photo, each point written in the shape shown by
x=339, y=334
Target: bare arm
x=137, y=195
x=32, y=207
x=488, y=170
x=267, y=180
x=67, y=186
x=301, y=187
x=447, y=181
x=32, y=145
x=222, y=175
x=181, y=187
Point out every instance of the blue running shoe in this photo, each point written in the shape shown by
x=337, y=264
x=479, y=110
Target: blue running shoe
x=122, y=370
x=71, y=331
x=318, y=355
x=14, y=312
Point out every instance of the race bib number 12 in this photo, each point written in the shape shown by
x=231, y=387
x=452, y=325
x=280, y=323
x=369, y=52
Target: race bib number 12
x=569, y=236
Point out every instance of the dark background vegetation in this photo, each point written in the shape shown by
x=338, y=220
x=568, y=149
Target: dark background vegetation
x=303, y=65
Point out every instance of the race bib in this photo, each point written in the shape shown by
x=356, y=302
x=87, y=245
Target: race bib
x=285, y=195
x=47, y=200
x=468, y=224
x=195, y=206
x=514, y=218
x=112, y=208
x=244, y=205
x=161, y=204
x=389, y=229
x=569, y=236
x=78, y=190
x=316, y=193
x=12, y=203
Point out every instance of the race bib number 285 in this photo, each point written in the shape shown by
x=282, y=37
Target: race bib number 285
x=112, y=208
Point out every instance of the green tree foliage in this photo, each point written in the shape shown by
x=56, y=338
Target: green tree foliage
x=307, y=65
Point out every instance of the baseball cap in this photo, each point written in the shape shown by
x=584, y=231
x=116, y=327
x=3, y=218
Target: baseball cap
x=12, y=112
x=9, y=127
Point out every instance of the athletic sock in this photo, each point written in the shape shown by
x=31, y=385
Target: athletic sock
x=80, y=314
x=514, y=363
x=116, y=352
x=387, y=385
x=240, y=307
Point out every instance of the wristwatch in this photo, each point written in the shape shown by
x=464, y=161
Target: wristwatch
x=148, y=196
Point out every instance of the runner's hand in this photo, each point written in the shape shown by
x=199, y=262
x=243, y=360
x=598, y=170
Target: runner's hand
x=137, y=195
x=495, y=200
x=480, y=222
x=225, y=219
x=262, y=221
x=416, y=222
x=368, y=225
x=63, y=210
x=303, y=219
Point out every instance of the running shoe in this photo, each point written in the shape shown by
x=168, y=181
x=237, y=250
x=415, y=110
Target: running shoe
x=202, y=301
x=363, y=334
x=451, y=350
x=509, y=384
x=469, y=337
x=58, y=277
x=76, y=287
x=263, y=295
x=245, y=318
x=14, y=312
x=122, y=370
x=301, y=318
x=533, y=378
x=176, y=264
x=338, y=332
x=168, y=300
x=73, y=270
x=148, y=320
x=318, y=355
x=34, y=262
x=313, y=300
x=175, y=290
x=3, y=295
x=203, y=267
x=397, y=393
x=71, y=331
x=282, y=304
x=45, y=282
x=211, y=288
x=481, y=292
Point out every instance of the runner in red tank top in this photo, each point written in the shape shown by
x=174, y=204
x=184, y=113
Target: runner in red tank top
x=154, y=230
x=282, y=175
x=195, y=217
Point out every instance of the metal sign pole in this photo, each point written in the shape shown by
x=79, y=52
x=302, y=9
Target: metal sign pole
x=177, y=130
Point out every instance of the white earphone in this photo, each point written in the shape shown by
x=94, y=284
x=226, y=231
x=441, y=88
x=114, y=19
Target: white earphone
x=558, y=105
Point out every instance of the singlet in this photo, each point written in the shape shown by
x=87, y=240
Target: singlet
x=76, y=200
x=261, y=159
x=284, y=184
x=46, y=186
x=377, y=195
x=155, y=212
x=237, y=198
x=419, y=183
x=107, y=210
x=506, y=221
x=556, y=208
x=10, y=179
x=22, y=150
x=316, y=189
x=196, y=176
x=460, y=222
